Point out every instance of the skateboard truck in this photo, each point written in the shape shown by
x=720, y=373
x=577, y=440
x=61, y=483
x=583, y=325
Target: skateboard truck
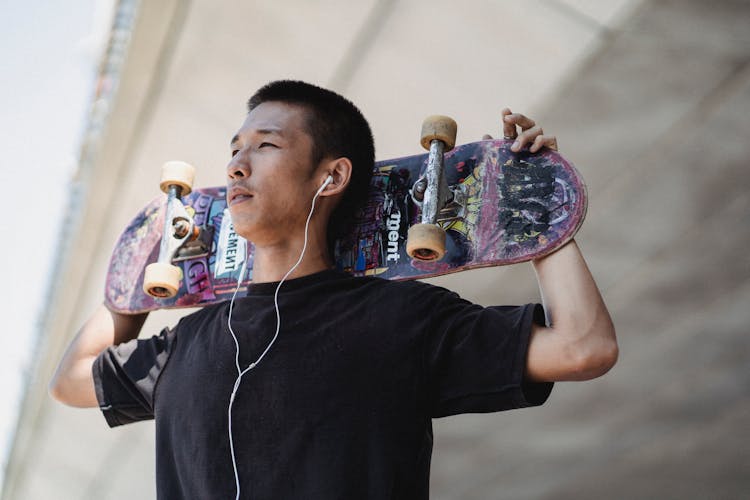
x=195, y=246
x=162, y=279
x=426, y=241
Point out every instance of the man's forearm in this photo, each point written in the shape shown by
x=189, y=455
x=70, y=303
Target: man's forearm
x=580, y=341
x=72, y=382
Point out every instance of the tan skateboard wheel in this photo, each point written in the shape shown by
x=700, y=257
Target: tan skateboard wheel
x=177, y=173
x=161, y=280
x=425, y=242
x=442, y=128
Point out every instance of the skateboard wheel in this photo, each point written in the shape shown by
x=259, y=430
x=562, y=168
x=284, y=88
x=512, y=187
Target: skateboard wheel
x=425, y=242
x=162, y=280
x=177, y=173
x=439, y=127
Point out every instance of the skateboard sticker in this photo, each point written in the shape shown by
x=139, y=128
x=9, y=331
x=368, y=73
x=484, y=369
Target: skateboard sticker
x=231, y=250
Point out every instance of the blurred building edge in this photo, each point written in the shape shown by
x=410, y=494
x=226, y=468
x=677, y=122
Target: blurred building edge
x=140, y=34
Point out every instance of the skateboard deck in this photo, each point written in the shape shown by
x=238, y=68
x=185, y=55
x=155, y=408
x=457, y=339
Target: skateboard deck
x=507, y=208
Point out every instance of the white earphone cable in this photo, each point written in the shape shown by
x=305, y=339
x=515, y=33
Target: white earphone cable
x=240, y=372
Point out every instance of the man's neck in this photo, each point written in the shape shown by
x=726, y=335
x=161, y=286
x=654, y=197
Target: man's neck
x=272, y=263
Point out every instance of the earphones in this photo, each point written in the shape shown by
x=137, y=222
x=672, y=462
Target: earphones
x=240, y=371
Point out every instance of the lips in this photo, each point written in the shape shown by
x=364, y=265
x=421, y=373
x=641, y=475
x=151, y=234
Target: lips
x=238, y=194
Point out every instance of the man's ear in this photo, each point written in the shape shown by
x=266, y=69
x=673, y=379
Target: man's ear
x=340, y=171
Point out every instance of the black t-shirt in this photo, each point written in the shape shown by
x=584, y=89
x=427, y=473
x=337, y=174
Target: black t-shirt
x=341, y=405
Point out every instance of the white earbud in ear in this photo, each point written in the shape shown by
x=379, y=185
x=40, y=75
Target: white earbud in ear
x=326, y=182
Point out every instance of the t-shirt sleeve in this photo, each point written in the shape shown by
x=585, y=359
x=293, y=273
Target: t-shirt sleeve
x=476, y=357
x=125, y=377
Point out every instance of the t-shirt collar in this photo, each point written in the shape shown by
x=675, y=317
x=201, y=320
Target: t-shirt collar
x=289, y=285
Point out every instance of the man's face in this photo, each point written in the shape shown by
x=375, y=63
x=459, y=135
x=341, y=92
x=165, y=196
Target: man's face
x=270, y=179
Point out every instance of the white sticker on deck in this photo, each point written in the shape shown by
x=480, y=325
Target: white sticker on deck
x=232, y=249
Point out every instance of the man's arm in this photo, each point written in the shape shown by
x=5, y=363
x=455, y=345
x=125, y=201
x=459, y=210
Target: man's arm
x=579, y=342
x=73, y=382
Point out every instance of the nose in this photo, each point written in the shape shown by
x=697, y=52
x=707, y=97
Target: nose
x=237, y=167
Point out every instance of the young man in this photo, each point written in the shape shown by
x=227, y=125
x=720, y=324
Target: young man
x=339, y=403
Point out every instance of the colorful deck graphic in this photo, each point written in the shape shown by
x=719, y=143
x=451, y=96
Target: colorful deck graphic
x=506, y=207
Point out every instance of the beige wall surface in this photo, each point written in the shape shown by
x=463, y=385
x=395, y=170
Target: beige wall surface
x=651, y=101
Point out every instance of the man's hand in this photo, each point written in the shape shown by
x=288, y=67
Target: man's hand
x=531, y=133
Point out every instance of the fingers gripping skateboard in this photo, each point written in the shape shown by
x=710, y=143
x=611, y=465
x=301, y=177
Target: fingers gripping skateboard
x=162, y=279
x=426, y=241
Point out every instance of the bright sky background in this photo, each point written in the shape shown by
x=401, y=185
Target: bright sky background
x=49, y=52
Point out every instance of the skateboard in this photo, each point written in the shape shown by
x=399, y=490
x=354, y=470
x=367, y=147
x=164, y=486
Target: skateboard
x=491, y=207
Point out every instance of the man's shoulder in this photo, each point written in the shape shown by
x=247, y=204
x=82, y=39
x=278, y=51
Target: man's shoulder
x=203, y=316
x=406, y=289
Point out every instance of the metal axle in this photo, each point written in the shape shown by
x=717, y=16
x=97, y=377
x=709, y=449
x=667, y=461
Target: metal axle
x=436, y=193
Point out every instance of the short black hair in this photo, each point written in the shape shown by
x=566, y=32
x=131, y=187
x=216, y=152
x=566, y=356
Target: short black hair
x=338, y=129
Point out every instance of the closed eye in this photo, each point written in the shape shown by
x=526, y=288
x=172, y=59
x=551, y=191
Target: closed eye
x=262, y=145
